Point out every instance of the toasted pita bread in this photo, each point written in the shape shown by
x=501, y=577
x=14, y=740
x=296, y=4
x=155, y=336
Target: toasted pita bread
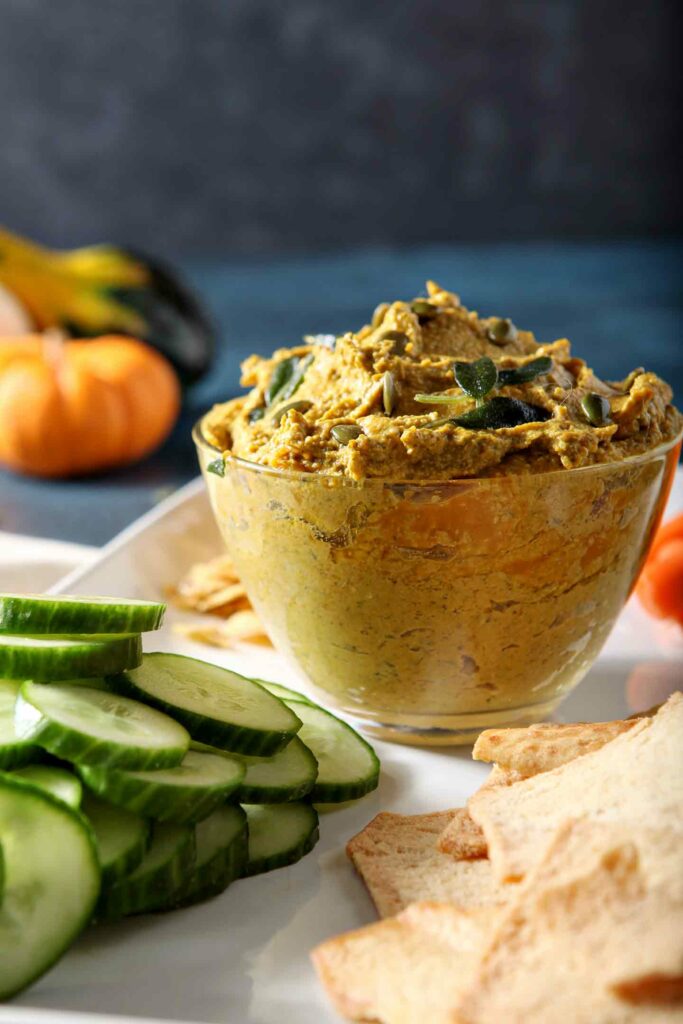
x=571, y=942
x=462, y=838
x=636, y=780
x=540, y=748
x=397, y=858
x=409, y=968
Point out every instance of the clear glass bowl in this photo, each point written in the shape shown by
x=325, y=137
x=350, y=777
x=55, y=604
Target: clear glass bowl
x=428, y=612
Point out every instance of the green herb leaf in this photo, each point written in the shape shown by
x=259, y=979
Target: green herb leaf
x=257, y=414
x=424, y=310
x=389, y=393
x=345, y=432
x=287, y=377
x=596, y=409
x=217, y=467
x=523, y=374
x=501, y=412
x=301, y=406
x=501, y=331
x=439, y=398
x=477, y=378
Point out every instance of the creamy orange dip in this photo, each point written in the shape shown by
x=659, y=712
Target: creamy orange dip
x=368, y=381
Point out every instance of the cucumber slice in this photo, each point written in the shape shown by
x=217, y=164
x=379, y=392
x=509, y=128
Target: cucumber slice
x=43, y=613
x=217, y=706
x=14, y=749
x=287, y=775
x=61, y=783
x=279, y=834
x=157, y=881
x=96, y=727
x=53, y=658
x=348, y=767
x=284, y=692
x=221, y=854
x=122, y=838
x=187, y=793
x=52, y=878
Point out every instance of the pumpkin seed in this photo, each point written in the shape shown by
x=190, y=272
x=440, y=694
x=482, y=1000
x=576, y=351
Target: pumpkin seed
x=400, y=339
x=596, y=409
x=345, y=432
x=301, y=406
x=501, y=412
x=501, y=330
x=257, y=414
x=523, y=374
x=424, y=310
x=477, y=378
x=389, y=393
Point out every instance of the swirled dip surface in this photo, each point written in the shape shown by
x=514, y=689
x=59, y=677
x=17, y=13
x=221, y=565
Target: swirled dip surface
x=365, y=383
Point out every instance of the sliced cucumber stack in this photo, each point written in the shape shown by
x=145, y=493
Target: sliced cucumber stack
x=53, y=658
x=279, y=834
x=122, y=838
x=157, y=881
x=15, y=750
x=348, y=767
x=217, y=706
x=62, y=783
x=42, y=613
x=51, y=881
x=287, y=775
x=284, y=692
x=96, y=727
x=186, y=793
x=221, y=855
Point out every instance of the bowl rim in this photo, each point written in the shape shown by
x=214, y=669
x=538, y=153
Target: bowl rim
x=201, y=442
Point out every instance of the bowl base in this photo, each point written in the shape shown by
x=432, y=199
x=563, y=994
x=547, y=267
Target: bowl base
x=445, y=730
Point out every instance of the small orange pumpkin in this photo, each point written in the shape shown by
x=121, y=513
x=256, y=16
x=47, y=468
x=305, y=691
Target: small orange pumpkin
x=73, y=407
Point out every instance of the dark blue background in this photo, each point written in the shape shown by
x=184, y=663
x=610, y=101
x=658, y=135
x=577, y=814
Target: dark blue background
x=233, y=126
x=302, y=161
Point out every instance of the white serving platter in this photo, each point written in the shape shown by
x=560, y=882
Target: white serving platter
x=242, y=958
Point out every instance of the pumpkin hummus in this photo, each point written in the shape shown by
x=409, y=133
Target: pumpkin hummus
x=413, y=347
x=468, y=513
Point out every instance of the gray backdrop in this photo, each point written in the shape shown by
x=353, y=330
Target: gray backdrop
x=256, y=126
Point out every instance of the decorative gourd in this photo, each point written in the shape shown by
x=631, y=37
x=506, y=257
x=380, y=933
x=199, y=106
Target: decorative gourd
x=104, y=289
x=74, y=407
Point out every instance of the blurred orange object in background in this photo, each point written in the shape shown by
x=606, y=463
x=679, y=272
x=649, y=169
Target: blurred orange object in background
x=74, y=407
x=660, y=587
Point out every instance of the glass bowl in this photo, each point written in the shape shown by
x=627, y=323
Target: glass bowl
x=430, y=611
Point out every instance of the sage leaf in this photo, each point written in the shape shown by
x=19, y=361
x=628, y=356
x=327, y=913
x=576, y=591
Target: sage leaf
x=217, y=467
x=477, y=378
x=286, y=378
x=501, y=412
x=523, y=374
x=440, y=398
x=596, y=409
